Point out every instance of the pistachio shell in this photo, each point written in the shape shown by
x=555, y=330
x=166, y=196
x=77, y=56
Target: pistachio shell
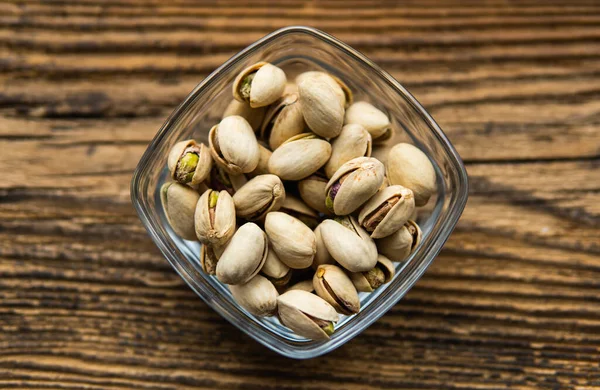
x=293, y=242
x=323, y=112
x=312, y=191
x=322, y=255
x=299, y=157
x=220, y=180
x=334, y=286
x=298, y=209
x=398, y=246
x=290, y=87
x=353, y=184
x=375, y=121
x=179, y=203
x=233, y=145
x=275, y=270
x=258, y=296
x=260, y=195
x=263, y=162
x=305, y=285
x=382, y=273
x=266, y=87
x=214, y=220
x=411, y=168
x=283, y=120
x=342, y=91
x=244, y=256
x=354, y=141
x=254, y=116
x=387, y=211
x=209, y=257
x=300, y=311
x=203, y=164
x=349, y=244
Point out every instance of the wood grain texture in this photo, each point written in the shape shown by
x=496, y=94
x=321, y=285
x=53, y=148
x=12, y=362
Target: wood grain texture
x=88, y=302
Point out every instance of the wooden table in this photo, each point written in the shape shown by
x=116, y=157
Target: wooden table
x=87, y=301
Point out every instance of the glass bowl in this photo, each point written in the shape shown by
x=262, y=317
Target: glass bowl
x=297, y=49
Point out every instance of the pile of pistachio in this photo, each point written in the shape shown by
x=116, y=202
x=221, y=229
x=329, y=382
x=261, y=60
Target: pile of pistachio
x=293, y=213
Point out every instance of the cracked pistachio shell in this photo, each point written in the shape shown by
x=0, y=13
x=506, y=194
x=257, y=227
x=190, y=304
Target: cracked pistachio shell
x=254, y=116
x=306, y=314
x=203, y=164
x=179, y=203
x=214, y=218
x=305, y=285
x=354, y=141
x=322, y=255
x=299, y=157
x=374, y=120
x=353, y=184
x=387, y=211
x=233, y=145
x=258, y=296
x=333, y=285
x=293, y=241
x=275, y=270
x=323, y=112
x=263, y=162
x=209, y=257
x=259, y=196
x=382, y=273
x=298, y=209
x=349, y=244
x=244, y=256
x=283, y=120
x=408, y=166
x=399, y=245
x=312, y=191
x=342, y=91
x=266, y=87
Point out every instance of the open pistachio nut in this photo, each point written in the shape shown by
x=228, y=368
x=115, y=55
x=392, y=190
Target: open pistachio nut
x=244, y=256
x=374, y=120
x=307, y=314
x=259, y=196
x=399, y=245
x=408, y=166
x=353, y=184
x=312, y=191
x=322, y=255
x=214, y=218
x=333, y=285
x=387, y=211
x=179, y=203
x=298, y=209
x=209, y=257
x=233, y=145
x=382, y=273
x=354, y=141
x=276, y=271
x=259, y=85
x=342, y=91
x=189, y=162
x=283, y=120
x=349, y=244
x=293, y=241
x=299, y=157
x=258, y=296
x=221, y=180
x=321, y=107
x=254, y=116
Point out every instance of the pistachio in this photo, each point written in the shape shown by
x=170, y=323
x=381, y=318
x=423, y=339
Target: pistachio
x=214, y=218
x=312, y=191
x=293, y=242
x=189, y=162
x=321, y=107
x=398, y=246
x=353, y=184
x=368, y=281
x=322, y=255
x=290, y=87
x=276, y=271
x=221, y=180
x=258, y=296
x=411, y=168
x=334, y=286
x=283, y=120
x=305, y=285
x=307, y=314
x=375, y=121
x=254, y=116
x=349, y=244
x=263, y=162
x=179, y=202
x=259, y=85
x=298, y=209
x=209, y=257
x=342, y=91
x=387, y=211
x=259, y=196
x=354, y=141
x=233, y=145
x=299, y=157
x=244, y=256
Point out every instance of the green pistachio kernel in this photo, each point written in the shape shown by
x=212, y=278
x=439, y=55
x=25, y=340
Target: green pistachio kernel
x=246, y=85
x=212, y=199
x=328, y=328
x=187, y=167
x=375, y=277
x=329, y=203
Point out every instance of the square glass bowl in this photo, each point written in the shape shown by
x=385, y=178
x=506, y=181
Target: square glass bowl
x=297, y=49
